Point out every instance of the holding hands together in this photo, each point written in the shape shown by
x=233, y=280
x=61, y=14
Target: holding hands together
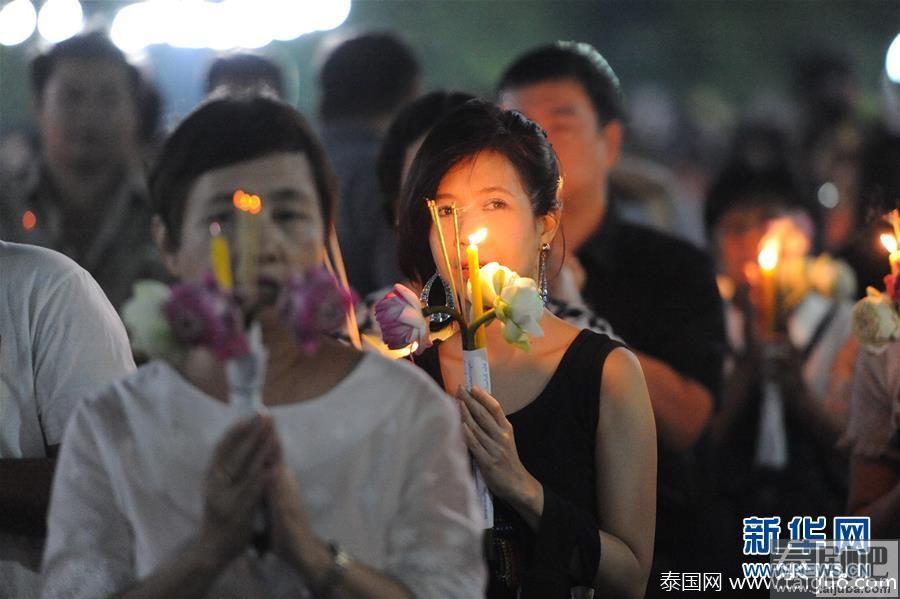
x=489, y=436
x=247, y=469
x=242, y=465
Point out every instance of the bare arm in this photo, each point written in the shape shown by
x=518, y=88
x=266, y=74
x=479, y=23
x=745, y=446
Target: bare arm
x=875, y=492
x=626, y=478
x=682, y=406
x=626, y=471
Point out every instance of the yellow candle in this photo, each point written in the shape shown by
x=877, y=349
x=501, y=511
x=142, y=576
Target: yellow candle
x=475, y=282
x=220, y=258
x=890, y=244
x=768, y=261
x=249, y=234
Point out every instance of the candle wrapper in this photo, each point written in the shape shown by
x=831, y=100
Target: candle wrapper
x=478, y=373
x=246, y=376
x=771, y=440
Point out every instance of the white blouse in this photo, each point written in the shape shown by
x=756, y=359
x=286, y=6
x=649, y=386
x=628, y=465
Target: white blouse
x=380, y=460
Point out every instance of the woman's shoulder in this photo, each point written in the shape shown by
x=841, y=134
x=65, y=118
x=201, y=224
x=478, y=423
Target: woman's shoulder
x=153, y=392
x=400, y=381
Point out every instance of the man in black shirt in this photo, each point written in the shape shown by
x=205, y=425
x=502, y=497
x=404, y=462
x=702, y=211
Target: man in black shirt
x=658, y=293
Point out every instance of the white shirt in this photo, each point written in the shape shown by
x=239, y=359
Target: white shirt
x=60, y=340
x=873, y=430
x=380, y=461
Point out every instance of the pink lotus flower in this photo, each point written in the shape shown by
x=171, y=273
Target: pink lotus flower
x=202, y=314
x=313, y=305
x=400, y=317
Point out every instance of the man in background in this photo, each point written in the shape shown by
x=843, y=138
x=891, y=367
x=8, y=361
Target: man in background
x=85, y=196
x=364, y=82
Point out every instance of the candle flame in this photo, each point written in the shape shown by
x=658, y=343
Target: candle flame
x=889, y=242
x=29, y=220
x=245, y=202
x=478, y=236
x=768, y=255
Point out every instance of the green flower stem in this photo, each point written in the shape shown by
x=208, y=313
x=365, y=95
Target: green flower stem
x=483, y=320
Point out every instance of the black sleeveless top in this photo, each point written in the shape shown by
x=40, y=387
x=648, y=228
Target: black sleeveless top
x=556, y=438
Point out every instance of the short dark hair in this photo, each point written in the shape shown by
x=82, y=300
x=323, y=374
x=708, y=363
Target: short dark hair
x=412, y=122
x=570, y=60
x=86, y=46
x=743, y=185
x=367, y=76
x=245, y=69
x=474, y=127
x=226, y=131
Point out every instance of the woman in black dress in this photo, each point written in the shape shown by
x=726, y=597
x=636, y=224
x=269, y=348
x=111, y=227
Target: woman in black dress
x=567, y=441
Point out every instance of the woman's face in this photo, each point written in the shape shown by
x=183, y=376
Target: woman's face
x=488, y=194
x=291, y=225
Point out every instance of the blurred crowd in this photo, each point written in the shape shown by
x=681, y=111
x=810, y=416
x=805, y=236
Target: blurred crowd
x=666, y=206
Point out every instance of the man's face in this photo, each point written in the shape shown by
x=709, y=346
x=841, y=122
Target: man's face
x=564, y=110
x=87, y=115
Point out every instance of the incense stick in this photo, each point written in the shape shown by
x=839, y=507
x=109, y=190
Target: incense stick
x=461, y=297
x=432, y=207
x=334, y=246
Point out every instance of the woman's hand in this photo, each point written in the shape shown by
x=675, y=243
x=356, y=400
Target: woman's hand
x=489, y=436
x=236, y=477
x=292, y=538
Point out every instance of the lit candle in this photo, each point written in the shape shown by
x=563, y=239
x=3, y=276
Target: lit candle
x=475, y=283
x=890, y=244
x=220, y=258
x=768, y=261
x=248, y=238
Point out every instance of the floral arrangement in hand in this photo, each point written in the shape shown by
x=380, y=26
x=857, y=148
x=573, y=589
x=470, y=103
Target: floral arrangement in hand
x=164, y=322
x=513, y=300
x=876, y=317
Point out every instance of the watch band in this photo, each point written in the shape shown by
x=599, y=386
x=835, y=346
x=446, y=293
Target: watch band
x=335, y=574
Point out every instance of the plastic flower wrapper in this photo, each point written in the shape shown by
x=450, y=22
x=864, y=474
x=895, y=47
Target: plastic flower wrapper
x=520, y=308
x=148, y=328
x=831, y=277
x=314, y=304
x=399, y=315
x=202, y=314
x=875, y=320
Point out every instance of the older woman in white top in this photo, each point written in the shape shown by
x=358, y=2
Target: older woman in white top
x=360, y=461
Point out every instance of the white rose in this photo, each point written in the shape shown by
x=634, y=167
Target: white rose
x=149, y=330
x=520, y=309
x=493, y=277
x=875, y=320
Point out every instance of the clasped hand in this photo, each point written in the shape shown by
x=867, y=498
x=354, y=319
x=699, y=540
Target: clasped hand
x=489, y=436
x=246, y=471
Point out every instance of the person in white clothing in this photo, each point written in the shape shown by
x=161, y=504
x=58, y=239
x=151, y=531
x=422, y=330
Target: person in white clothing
x=60, y=340
x=359, y=461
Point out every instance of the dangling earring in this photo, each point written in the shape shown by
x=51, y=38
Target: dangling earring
x=439, y=317
x=542, y=271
